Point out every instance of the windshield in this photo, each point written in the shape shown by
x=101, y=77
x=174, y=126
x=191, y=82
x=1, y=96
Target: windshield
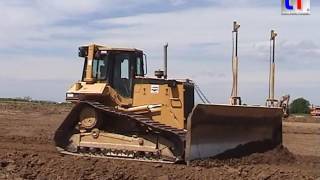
x=118, y=68
x=99, y=69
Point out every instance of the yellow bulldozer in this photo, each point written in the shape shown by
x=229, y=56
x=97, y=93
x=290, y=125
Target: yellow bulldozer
x=119, y=112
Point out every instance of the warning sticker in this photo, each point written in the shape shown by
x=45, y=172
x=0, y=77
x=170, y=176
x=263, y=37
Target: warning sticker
x=155, y=89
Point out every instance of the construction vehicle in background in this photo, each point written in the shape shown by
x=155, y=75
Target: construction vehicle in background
x=121, y=113
x=315, y=111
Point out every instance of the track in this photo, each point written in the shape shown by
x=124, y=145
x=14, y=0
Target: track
x=174, y=135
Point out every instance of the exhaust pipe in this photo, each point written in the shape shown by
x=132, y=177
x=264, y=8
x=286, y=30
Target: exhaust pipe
x=163, y=73
x=165, y=68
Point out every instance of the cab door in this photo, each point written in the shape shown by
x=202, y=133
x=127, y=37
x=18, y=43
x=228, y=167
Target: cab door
x=122, y=74
x=126, y=67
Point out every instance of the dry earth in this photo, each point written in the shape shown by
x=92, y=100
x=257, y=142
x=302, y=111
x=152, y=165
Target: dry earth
x=27, y=152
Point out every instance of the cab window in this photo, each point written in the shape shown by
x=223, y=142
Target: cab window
x=124, y=68
x=122, y=80
x=99, y=69
x=139, y=67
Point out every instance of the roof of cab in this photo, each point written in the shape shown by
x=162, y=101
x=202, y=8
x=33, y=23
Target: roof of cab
x=109, y=48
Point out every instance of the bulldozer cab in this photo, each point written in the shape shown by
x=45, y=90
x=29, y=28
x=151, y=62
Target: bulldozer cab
x=116, y=67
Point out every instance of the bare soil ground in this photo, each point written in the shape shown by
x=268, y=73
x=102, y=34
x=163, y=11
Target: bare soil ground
x=27, y=152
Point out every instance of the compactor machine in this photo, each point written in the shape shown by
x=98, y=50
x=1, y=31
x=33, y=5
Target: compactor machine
x=120, y=113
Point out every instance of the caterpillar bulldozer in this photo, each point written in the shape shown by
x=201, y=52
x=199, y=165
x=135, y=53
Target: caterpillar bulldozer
x=119, y=112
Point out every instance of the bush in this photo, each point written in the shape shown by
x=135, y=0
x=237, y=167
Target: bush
x=300, y=106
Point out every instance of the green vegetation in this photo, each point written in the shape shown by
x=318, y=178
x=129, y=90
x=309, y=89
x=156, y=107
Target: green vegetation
x=32, y=103
x=300, y=106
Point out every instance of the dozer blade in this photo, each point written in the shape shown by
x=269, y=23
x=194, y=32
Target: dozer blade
x=217, y=129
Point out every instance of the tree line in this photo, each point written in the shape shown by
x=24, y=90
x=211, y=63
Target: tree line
x=299, y=106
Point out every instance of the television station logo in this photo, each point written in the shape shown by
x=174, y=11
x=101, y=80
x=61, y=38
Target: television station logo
x=295, y=7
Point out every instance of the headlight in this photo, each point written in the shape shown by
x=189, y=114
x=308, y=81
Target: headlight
x=70, y=95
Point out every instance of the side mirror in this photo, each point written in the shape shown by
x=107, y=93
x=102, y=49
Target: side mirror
x=83, y=51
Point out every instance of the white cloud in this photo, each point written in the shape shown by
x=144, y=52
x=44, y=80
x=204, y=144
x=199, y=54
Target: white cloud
x=199, y=42
x=178, y=2
x=72, y=7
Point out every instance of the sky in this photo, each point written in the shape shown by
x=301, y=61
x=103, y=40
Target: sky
x=40, y=40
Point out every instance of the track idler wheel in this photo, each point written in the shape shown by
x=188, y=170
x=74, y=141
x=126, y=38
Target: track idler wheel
x=88, y=118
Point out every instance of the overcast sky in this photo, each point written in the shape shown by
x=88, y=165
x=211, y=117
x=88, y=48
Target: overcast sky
x=40, y=38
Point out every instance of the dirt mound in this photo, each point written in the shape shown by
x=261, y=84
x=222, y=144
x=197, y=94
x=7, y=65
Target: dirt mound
x=277, y=156
x=30, y=165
